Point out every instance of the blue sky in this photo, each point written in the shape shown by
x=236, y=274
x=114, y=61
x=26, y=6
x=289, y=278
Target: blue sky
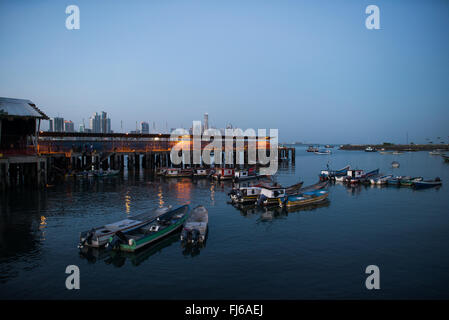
x=309, y=68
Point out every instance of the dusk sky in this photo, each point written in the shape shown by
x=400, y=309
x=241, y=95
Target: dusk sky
x=309, y=68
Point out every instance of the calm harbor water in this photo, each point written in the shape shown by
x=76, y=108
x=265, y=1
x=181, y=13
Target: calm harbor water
x=318, y=253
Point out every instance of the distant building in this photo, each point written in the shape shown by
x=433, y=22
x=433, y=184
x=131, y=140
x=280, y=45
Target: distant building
x=95, y=123
x=58, y=124
x=69, y=126
x=144, y=127
x=108, y=126
x=51, y=125
x=206, y=122
x=82, y=128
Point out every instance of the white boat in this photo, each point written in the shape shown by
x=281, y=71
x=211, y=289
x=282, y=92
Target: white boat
x=195, y=228
x=381, y=180
x=99, y=236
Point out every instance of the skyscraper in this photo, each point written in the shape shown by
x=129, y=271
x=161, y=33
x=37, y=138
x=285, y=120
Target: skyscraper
x=58, y=124
x=69, y=126
x=144, y=127
x=95, y=123
x=206, y=121
x=51, y=125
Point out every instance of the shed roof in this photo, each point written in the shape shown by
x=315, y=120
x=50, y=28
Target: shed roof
x=20, y=108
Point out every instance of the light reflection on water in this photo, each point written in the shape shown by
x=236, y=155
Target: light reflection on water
x=312, y=252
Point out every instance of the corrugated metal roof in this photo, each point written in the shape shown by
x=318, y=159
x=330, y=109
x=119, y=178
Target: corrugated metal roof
x=20, y=108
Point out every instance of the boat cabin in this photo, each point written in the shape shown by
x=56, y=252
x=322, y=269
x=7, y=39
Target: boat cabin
x=245, y=173
x=224, y=172
x=250, y=191
x=273, y=192
x=356, y=173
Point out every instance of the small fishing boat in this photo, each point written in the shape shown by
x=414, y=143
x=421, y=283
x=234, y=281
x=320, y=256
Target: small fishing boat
x=397, y=152
x=195, y=227
x=242, y=175
x=427, y=183
x=354, y=176
x=323, y=151
x=99, y=236
x=312, y=149
x=332, y=174
x=371, y=173
x=303, y=199
x=223, y=174
x=407, y=181
x=381, y=179
x=201, y=173
x=150, y=232
x=370, y=149
x=396, y=180
x=445, y=157
x=317, y=186
x=395, y=164
x=328, y=146
x=245, y=195
x=270, y=195
x=437, y=152
x=178, y=172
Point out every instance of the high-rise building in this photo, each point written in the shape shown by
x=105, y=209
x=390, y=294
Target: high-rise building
x=206, y=122
x=58, y=124
x=108, y=125
x=104, y=125
x=95, y=123
x=144, y=127
x=51, y=125
x=69, y=126
x=82, y=128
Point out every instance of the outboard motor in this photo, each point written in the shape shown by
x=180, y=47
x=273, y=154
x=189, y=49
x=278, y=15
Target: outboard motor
x=261, y=199
x=195, y=236
x=87, y=239
x=184, y=234
x=118, y=238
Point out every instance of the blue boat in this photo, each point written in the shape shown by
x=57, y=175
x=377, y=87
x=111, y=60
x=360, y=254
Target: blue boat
x=427, y=183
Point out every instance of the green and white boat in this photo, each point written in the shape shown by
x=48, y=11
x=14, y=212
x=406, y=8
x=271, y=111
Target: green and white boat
x=152, y=231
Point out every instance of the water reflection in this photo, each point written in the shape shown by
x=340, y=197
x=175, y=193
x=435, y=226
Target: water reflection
x=275, y=212
x=119, y=258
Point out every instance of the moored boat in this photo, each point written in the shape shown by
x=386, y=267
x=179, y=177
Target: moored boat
x=305, y=198
x=445, y=157
x=201, y=173
x=150, y=232
x=427, y=183
x=178, y=172
x=381, y=179
x=247, y=174
x=99, y=236
x=245, y=195
x=223, y=174
x=395, y=164
x=323, y=151
x=370, y=149
x=407, y=181
x=312, y=149
x=332, y=174
x=195, y=227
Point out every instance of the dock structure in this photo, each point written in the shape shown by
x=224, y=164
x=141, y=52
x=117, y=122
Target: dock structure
x=29, y=156
x=20, y=163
